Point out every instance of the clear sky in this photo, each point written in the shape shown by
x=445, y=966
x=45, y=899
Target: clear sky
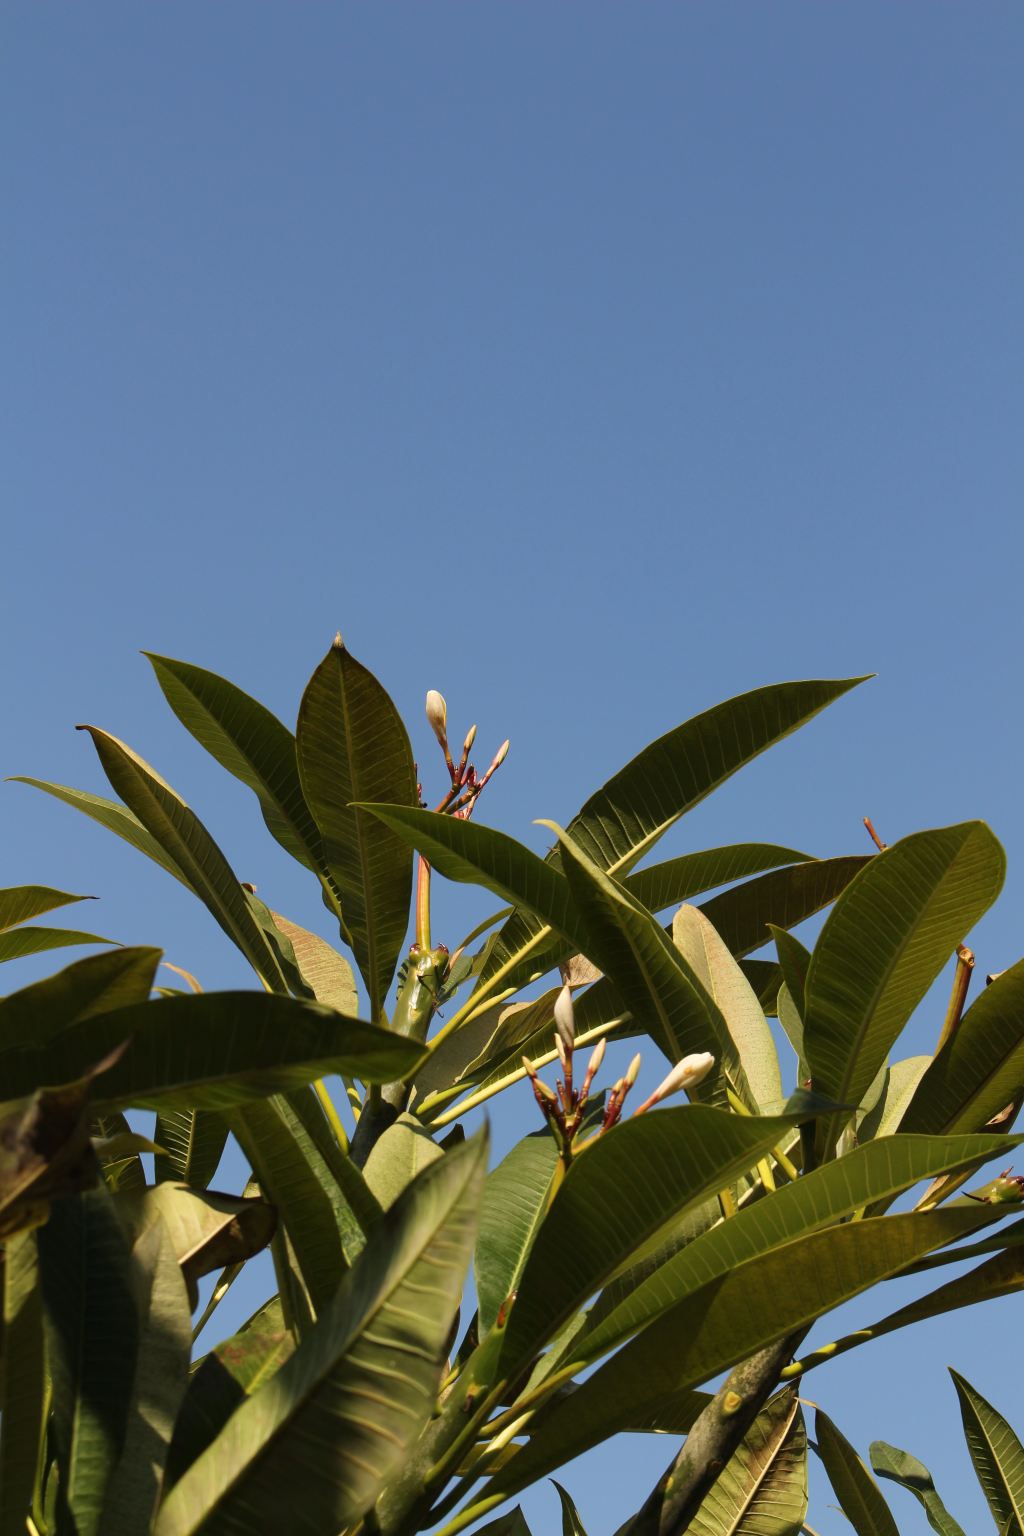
x=590, y=362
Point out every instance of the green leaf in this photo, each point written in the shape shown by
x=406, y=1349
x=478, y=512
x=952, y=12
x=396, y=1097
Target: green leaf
x=858, y=1493
x=251, y=743
x=794, y=961
x=403, y=1151
x=997, y=1454
x=722, y=979
x=161, y=1376
x=237, y=1367
x=981, y=1068
x=911, y=1474
x=666, y=884
x=206, y=1231
x=515, y=1200
x=831, y=1193
x=343, y=1415
x=126, y=1173
x=619, y=1194
x=628, y=815
x=193, y=1141
x=352, y=747
x=22, y=1383
x=325, y=1232
x=91, y=1343
x=887, y=938
x=328, y=974
x=901, y=1080
x=110, y=814
x=81, y=991
x=725, y=1321
x=651, y=975
x=762, y=1490
x=745, y=915
x=572, y=1525
x=20, y=903
x=212, y=1051
x=188, y=845
x=472, y=854
x=512, y=1524
x=36, y=941
x=498, y=1035
x=793, y=1027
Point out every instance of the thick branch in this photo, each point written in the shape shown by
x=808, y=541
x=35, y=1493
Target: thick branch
x=712, y=1440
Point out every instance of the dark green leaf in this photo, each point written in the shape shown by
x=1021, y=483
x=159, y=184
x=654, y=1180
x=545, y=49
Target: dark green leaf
x=115, y=817
x=762, y=1490
x=22, y=1382
x=830, y=1194
x=665, y=885
x=193, y=1141
x=745, y=915
x=794, y=961
x=81, y=991
x=352, y=746
x=572, y=1525
x=213, y=1051
x=161, y=1375
x=997, y=1454
x=187, y=844
x=651, y=975
x=858, y=1493
x=913, y=1475
x=619, y=1194
x=725, y=1321
x=237, y=1367
x=343, y=1416
x=20, y=903
x=981, y=1068
x=628, y=815
x=887, y=938
x=403, y=1151
x=515, y=1200
x=91, y=1343
x=323, y=1230
x=36, y=941
x=251, y=743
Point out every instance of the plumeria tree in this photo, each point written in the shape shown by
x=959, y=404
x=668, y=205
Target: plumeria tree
x=636, y=1262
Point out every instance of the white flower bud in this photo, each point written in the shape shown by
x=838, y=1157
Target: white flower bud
x=596, y=1058
x=467, y=745
x=437, y=715
x=685, y=1074
x=633, y=1070
x=563, y=1018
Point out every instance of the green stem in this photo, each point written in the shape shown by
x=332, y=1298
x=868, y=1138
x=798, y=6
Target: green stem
x=470, y=1513
x=330, y=1113
x=423, y=904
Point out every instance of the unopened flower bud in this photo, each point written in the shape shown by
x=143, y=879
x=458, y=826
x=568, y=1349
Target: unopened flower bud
x=633, y=1071
x=501, y=754
x=437, y=715
x=564, y=1018
x=685, y=1074
x=596, y=1058
x=467, y=745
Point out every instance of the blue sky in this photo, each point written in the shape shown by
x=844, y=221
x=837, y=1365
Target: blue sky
x=591, y=363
